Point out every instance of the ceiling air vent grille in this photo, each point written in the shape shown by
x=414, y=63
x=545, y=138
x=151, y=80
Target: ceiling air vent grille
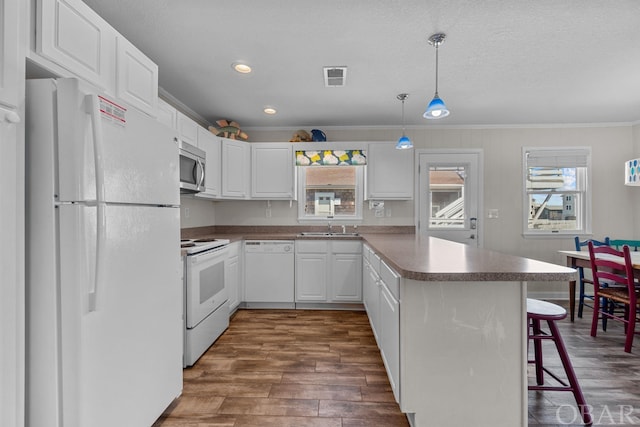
x=335, y=76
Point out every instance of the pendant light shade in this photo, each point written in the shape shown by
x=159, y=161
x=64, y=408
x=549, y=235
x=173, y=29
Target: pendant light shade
x=404, y=142
x=436, y=108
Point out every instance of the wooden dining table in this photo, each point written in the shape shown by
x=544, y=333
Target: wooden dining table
x=576, y=259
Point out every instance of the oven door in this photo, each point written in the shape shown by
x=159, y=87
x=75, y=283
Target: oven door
x=205, y=290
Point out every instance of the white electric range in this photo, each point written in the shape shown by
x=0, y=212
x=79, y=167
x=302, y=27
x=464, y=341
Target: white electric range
x=206, y=307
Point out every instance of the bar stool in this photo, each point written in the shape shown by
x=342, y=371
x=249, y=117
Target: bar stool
x=538, y=311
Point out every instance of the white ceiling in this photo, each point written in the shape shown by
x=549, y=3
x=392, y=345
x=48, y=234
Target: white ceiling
x=504, y=62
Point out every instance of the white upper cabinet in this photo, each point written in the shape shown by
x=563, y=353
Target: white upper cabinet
x=187, y=129
x=73, y=36
x=235, y=166
x=136, y=77
x=167, y=114
x=9, y=52
x=272, y=171
x=211, y=146
x=389, y=172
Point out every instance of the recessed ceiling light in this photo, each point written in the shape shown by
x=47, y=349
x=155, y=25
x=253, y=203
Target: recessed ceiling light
x=269, y=110
x=241, y=67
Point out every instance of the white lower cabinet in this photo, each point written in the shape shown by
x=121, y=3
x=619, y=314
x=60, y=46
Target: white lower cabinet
x=346, y=271
x=328, y=271
x=389, y=335
x=381, y=286
x=232, y=276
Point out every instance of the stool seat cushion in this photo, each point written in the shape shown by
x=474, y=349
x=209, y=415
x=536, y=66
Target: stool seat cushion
x=545, y=310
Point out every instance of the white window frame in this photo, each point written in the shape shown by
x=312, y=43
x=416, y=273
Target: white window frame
x=559, y=157
x=342, y=219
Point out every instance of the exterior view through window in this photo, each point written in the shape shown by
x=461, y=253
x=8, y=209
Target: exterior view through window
x=446, y=193
x=330, y=191
x=555, y=191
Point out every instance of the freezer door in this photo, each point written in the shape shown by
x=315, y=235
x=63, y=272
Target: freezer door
x=111, y=152
x=122, y=361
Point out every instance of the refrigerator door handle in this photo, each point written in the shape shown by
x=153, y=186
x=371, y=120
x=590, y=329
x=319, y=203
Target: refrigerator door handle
x=92, y=107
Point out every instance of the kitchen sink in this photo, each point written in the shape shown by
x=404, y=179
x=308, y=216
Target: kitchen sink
x=326, y=234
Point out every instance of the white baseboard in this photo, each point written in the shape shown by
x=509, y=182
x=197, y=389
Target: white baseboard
x=549, y=295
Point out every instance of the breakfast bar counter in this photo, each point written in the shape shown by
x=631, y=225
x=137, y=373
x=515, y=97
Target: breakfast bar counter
x=462, y=329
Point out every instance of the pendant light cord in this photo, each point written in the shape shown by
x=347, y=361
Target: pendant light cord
x=437, y=45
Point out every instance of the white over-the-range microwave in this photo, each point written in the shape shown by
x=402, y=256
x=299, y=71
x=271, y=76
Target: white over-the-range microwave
x=192, y=168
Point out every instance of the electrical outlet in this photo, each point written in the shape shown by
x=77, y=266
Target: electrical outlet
x=493, y=213
x=186, y=212
x=387, y=213
x=268, y=212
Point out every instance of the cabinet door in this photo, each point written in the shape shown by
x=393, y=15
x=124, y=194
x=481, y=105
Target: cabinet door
x=211, y=146
x=371, y=296
x=272, y=171
x=389, y=172
x=235, y=169
x=73, y=36
x=9, y=52
x=136, y=78
x=167, y=114
x=346, y=277
x=232, y=281
x=389, y=333
x=187, y=129
x=311, y=277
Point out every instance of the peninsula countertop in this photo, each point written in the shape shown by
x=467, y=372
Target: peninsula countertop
x=433, y=259
x=421, y=257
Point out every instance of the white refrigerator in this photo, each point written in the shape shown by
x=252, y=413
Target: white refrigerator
x=104, y=292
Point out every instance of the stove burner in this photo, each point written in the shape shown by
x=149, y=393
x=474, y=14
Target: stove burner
x=187, y=245
x=208, y=239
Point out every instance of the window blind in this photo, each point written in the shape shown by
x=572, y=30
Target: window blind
x=574, y=157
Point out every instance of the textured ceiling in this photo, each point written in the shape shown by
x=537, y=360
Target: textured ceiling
x=504, y=62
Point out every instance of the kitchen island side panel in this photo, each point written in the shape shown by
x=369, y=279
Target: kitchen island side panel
x=463, y=353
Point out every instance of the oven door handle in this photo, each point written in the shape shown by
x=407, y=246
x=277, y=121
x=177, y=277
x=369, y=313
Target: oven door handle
x=206, y=256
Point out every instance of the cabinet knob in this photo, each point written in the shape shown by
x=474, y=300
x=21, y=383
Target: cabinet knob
x=12, y=117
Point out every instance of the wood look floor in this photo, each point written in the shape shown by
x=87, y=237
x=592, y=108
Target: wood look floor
x=307, y=368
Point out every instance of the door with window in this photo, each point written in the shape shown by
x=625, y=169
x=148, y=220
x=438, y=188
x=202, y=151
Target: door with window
x=450, y=195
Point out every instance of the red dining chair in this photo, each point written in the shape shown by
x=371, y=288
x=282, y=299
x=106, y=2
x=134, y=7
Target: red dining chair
x=586, y=280
x=614, y=266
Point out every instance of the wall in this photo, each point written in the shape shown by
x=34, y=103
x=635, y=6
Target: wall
x=636, y=154
x=613, y=208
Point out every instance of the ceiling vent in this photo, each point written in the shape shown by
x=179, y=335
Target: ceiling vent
x=335, y=76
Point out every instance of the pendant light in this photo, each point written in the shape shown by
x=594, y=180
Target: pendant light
x=404, y=142
x=436, y=109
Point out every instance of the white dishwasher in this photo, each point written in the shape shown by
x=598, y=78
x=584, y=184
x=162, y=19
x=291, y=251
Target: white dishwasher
x=269, y=274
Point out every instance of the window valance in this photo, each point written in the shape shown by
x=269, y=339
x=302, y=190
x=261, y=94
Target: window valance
x=331, y=158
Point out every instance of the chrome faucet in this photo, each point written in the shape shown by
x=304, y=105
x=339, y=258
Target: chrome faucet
x=344, y=229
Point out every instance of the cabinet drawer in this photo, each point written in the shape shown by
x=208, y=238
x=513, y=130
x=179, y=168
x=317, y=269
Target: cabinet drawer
x=351, y=247
x=311, y=246
x=391, y=279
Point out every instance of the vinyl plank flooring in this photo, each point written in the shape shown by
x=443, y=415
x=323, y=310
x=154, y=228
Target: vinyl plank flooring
x=308, y=368
x=280, y=367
